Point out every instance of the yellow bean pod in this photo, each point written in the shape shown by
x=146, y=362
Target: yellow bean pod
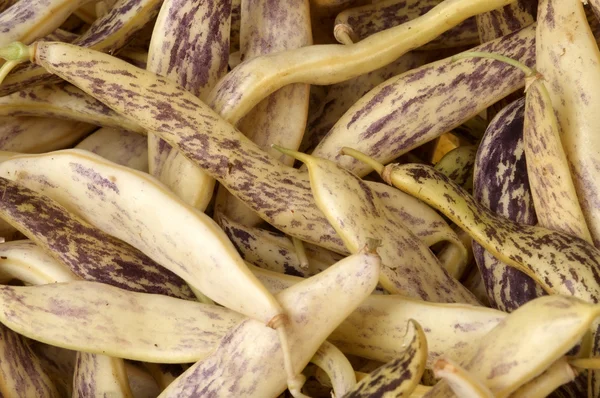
x=27, y=262
x=118, y=146
x=316, y=306
x=536, y=335
x=408, y=266
x=183, y=51
x=450, y=328
x=40, y=134
x=98, y=318
x=333, y=362
x=568, y=58
x=400, y=376
x=63, y=102
x=559, y=373
x=200, y=263
x=560, y=263
x=414, y=108
x=100, y=375
x=82, y=248
x=461, y=381
x=254, y=80
x=355, y=24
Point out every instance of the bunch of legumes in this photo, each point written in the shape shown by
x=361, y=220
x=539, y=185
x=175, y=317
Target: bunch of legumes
x=299, y=198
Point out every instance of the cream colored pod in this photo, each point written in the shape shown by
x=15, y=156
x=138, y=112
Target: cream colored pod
x=122, y=202
x=247, y=362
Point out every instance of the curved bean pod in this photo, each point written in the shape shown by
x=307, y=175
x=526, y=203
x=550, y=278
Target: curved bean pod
x=85, y=250
x=98, y=318
x=63, y=102
x=109, y=34
x=400, y=376
x=358, y=23
x=118, y=146
x=182, y=51
x=254, y=80
x=420, y=105
x=501, y=184
x=573, y=80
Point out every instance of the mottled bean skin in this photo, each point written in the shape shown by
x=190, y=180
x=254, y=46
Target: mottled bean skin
x=420, y=105
x=554, y=196
x=501, y=185
x=255, y=79
x=108, y=33
x=40, y=134
x=280, y=194
x=561, y=263
x=191, y=47
x=99, y=318
x=271, y=27
x=508, y=19
x=85, y=250
x=21, y=372
x=400, y=376
x=372, y=18
x=63, y=101
x=98, y=375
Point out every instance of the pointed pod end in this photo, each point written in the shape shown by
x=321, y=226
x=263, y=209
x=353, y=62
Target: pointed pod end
x=362, y=157
x=291, y=153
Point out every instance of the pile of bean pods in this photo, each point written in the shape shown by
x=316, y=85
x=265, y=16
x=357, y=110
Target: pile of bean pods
x=300, y=198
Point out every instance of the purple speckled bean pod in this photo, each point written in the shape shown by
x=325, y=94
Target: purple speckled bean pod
x=85, y=250
x=364, y=21
x=275, y=251
x=279, y=193
x=59, y=363
x=40, y=134
x=63, y=102
x=21, y=372
x=503, y=21
x=98, y=318
x=411, y=109
x=340, y=97
x=500, y=183
x=251, y=352
x=569, y=60
x=109, y=34
x=97, y=375
x=253, y=80
x=269, y=27
x=28, y=20
x=190, y=45
x=511, y=18
x=556, y=203
x=236, y=20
